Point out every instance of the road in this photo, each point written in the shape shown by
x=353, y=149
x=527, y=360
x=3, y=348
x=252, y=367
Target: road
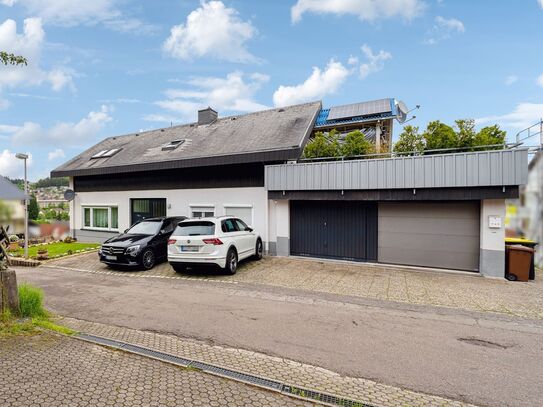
x=482, y=358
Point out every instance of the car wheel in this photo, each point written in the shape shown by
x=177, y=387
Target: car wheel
x=148, y=259
x=258, y=250
x=179, y=268
x=231, y=262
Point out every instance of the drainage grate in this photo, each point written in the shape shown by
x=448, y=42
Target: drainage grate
x=102, y=341
x=260, y=381
x=231, y=374
x=322, y=397
x=157, y=355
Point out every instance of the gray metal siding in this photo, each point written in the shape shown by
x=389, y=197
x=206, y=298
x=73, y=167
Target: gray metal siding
x=486, y=168
x=444, y=235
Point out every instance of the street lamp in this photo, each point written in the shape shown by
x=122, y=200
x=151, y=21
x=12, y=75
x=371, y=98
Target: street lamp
x=24, y=157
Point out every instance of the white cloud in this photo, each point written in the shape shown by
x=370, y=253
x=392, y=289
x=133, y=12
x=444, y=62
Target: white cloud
x=319, y=84
x=511, y=79
x=235, y=93
x=70, y=134
x=212, y=30
x=444, y=28
x=539, y=1
x=375, y=62
x=366, y=10
x=70, y=13
x=56, y=154
x=4, y=104
x=539, y=79
x=523, y=116
x=11, y=166
x=30, y=44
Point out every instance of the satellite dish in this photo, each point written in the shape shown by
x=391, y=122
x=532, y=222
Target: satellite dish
x=402, y=111
x=69, y=195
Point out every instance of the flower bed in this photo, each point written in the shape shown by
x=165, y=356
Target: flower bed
x=56, y=249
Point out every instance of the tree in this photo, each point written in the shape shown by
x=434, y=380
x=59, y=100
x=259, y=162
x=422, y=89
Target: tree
x=490, y=135
x=33, y=208
x=466, y=132
x=323, y=145
x=410, y=140
x=11, y=59
x=356, y=143
x=439, y=136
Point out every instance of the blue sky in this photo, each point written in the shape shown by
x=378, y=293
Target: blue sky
x=111, y=67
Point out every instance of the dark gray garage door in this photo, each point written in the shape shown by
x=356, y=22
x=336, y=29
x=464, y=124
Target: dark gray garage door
x=332, y=229
x=444, y=235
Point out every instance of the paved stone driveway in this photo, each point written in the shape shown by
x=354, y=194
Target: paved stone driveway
x=282, y=370
x=414, y=286
x=53, y=370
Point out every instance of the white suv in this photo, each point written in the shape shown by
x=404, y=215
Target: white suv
x=222, y=241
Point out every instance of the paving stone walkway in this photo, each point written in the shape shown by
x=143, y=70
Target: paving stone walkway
x=414, y=286
x=278, y=369
x=52, y=370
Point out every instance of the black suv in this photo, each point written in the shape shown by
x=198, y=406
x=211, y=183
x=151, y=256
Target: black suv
x=144, y=244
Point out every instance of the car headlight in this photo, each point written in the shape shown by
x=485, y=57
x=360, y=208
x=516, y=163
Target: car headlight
x=133, y=250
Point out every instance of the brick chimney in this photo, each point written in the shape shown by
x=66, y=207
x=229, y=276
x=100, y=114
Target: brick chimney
x=207, y=116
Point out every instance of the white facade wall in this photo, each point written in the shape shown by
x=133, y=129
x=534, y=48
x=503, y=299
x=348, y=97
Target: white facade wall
x=279, y=227
x=178, y=203
x=492, y=253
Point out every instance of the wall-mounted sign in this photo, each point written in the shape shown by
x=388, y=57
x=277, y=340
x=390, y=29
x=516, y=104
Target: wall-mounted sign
x=494, y=222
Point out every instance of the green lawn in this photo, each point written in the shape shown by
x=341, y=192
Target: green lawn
x=56, y=249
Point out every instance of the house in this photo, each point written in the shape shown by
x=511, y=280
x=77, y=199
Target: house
x=12, y=199
x=441, y=211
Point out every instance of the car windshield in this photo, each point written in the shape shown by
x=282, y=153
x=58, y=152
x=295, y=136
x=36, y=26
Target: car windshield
x=145, y=228
x=195, y=229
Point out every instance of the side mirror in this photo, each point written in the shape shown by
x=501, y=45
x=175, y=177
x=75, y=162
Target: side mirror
x=248, y=229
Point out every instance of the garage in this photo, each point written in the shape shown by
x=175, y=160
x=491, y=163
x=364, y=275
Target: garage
x=442, y=235
x=334, y=229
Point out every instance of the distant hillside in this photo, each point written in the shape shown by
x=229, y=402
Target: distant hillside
x=51, y=182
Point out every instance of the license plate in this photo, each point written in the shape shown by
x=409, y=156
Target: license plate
x=189, y=248
x=111, y=257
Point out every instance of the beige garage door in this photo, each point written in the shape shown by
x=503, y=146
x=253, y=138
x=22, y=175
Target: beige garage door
x=444, y=235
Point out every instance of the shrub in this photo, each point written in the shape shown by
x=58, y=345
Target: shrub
x=356, y=143
x=323, y=145
x=13, y=239
x=31, y=301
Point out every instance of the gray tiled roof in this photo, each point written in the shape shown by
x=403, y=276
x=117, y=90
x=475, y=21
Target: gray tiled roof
x=10, y=192
x=270, y=135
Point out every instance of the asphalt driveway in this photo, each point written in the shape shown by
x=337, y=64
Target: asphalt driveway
x=483, y=358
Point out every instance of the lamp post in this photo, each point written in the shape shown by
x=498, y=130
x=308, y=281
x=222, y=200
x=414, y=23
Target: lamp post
x=24, y=157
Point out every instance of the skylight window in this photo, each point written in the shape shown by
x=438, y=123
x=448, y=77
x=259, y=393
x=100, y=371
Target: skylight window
x=172, y=145
x=106, y=153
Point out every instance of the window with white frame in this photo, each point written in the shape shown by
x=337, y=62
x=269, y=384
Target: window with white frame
x=202, y=211
x=101, y=217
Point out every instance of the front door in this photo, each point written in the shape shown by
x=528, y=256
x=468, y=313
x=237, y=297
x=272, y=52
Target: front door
x=144, y=208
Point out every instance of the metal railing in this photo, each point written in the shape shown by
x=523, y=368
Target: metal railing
x=394, y=154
